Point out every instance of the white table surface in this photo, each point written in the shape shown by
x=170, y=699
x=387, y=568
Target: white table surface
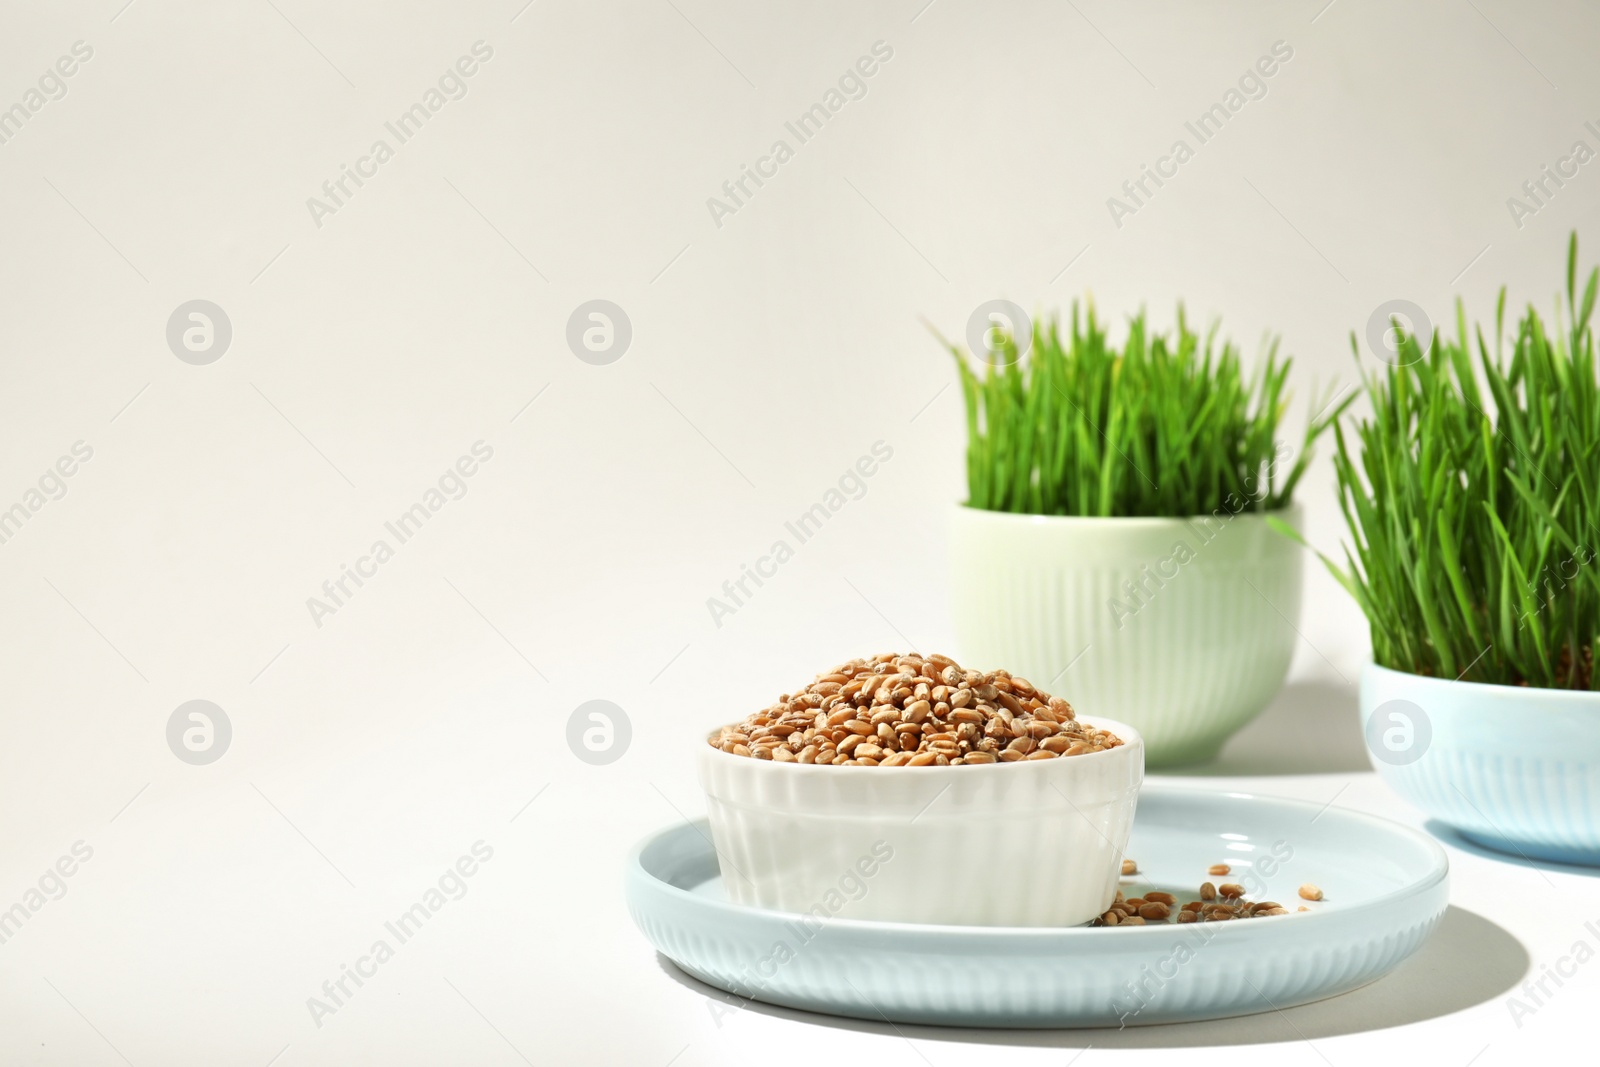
x=210, y=913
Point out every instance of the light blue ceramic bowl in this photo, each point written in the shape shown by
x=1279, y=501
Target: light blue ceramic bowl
x=1515, y=769
x=1386, y=887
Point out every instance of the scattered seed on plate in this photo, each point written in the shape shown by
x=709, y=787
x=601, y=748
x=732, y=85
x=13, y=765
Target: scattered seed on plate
x=1130, y=867
x=1219, y=869
x=1310, y=892
x=1214, y=905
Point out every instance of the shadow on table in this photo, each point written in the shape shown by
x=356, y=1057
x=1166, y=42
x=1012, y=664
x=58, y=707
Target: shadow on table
x=1311, y=727
x=1481, y=960
x=1449, y=835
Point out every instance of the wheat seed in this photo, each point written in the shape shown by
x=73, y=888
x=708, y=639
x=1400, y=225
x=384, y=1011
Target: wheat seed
x=914, y=711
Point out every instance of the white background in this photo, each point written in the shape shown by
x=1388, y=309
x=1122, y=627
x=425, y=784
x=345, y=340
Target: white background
x=768, y=353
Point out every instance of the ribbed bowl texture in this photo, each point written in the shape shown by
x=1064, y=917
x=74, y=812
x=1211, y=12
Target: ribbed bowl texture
x=1031, y=843
x=1183, y=628
x=1514, y=768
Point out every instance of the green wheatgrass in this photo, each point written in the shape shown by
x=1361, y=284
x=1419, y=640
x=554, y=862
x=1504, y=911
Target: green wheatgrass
x=1474, y=505
x=1169, y=425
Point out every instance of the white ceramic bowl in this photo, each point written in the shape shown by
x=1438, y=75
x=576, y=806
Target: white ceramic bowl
x=1514, y=768
x=1031, y=843
x=1198, y=650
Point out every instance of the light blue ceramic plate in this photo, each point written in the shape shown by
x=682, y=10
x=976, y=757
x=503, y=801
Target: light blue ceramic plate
x=1386, y=887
